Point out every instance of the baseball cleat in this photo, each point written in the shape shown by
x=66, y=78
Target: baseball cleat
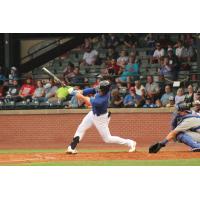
x=195, y=150
x=71, y=151
x=132, y=146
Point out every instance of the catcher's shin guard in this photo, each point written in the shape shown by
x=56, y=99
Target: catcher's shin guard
x=75, y=142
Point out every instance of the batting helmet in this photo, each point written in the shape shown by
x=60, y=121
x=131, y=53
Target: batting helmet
x=104, y=86
x=182, y=106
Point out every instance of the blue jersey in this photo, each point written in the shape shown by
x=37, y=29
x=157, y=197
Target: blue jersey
x=99, y=102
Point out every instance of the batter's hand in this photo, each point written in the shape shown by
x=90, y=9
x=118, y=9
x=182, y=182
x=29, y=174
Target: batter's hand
x=85, y=99
x=155, y=147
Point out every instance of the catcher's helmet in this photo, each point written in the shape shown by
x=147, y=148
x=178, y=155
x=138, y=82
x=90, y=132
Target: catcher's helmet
x=182, y=106
x=104, y=86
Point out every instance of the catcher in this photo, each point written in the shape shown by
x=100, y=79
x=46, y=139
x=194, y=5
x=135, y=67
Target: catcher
x=186, y=129
x=99, y=117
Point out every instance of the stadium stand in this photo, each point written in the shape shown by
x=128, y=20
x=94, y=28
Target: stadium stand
x=186, y=70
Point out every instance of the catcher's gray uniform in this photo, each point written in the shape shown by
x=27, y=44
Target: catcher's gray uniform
x=190, y=125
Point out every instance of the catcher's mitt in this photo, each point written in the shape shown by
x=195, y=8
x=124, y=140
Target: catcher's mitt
x=155, y=147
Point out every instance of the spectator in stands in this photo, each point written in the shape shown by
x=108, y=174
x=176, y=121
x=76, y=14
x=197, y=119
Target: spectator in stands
x=165, y=97
x=180, y=97
x=173, y=63
x=116, y=99
x=165, y=40
x=26, y=91
x=77, y=78
x=132, y=100
x=189, y=97
x=13, y=74
x=158, y=53
x=2, y=76
x=121, y=88
x=179, y=50
x=149, y=103
x=13, y=92
x=61, y=93
x=166, y=69
x=112, y=53
x=161, y=85
x=112, y=41
x=171, y=102
x=75, y=103
x=122, y=67
x=130, y=41
x=68, y=72
x=188, y=53
x=122, y=59
x=102, y=41
x=89, y=57
x=39, y=93
x=152, y=89
x=87, y=44
x=197, y=95
x=150, y=41
x=188, y=40
x=99, y=77
x=113, y=68
x=139, y=88
x=50, y=90
x=130, y=73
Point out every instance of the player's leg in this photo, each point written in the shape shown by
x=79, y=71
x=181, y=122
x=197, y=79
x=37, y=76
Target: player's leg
x=80, y=132
x=191, y=139
x=101, y=123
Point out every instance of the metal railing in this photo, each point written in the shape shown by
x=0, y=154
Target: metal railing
x=45, y=46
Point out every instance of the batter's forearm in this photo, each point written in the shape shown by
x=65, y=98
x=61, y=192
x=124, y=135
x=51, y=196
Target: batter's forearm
x=85, y=99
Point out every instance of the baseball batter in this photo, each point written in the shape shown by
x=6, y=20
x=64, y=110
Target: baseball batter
x=186, y=129
x=99, y=117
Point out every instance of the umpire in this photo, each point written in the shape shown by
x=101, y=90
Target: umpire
x=186, y=129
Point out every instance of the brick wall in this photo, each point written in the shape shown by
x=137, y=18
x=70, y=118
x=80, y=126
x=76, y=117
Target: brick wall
x=56, y=130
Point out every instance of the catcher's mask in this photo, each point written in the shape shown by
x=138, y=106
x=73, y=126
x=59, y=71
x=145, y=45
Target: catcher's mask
x=183, y=107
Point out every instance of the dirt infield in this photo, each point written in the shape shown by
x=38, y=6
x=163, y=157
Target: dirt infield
x=44, y=130
x=101, y=156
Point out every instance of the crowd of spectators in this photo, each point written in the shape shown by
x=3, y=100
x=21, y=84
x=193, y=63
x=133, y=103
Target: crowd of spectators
x=121, y=67
x=136, y=96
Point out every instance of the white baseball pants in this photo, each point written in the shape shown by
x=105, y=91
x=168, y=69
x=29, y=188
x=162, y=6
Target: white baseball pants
x=101, y=123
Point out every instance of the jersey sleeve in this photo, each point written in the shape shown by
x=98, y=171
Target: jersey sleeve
x=88, y=91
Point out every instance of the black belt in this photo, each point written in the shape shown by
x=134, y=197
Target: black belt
x=100, y=114
x=109, y=113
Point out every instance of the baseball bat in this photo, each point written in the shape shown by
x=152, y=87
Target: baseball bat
x=51, y=74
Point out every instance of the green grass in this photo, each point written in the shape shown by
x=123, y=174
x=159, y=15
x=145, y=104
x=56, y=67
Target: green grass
x=188, y=162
